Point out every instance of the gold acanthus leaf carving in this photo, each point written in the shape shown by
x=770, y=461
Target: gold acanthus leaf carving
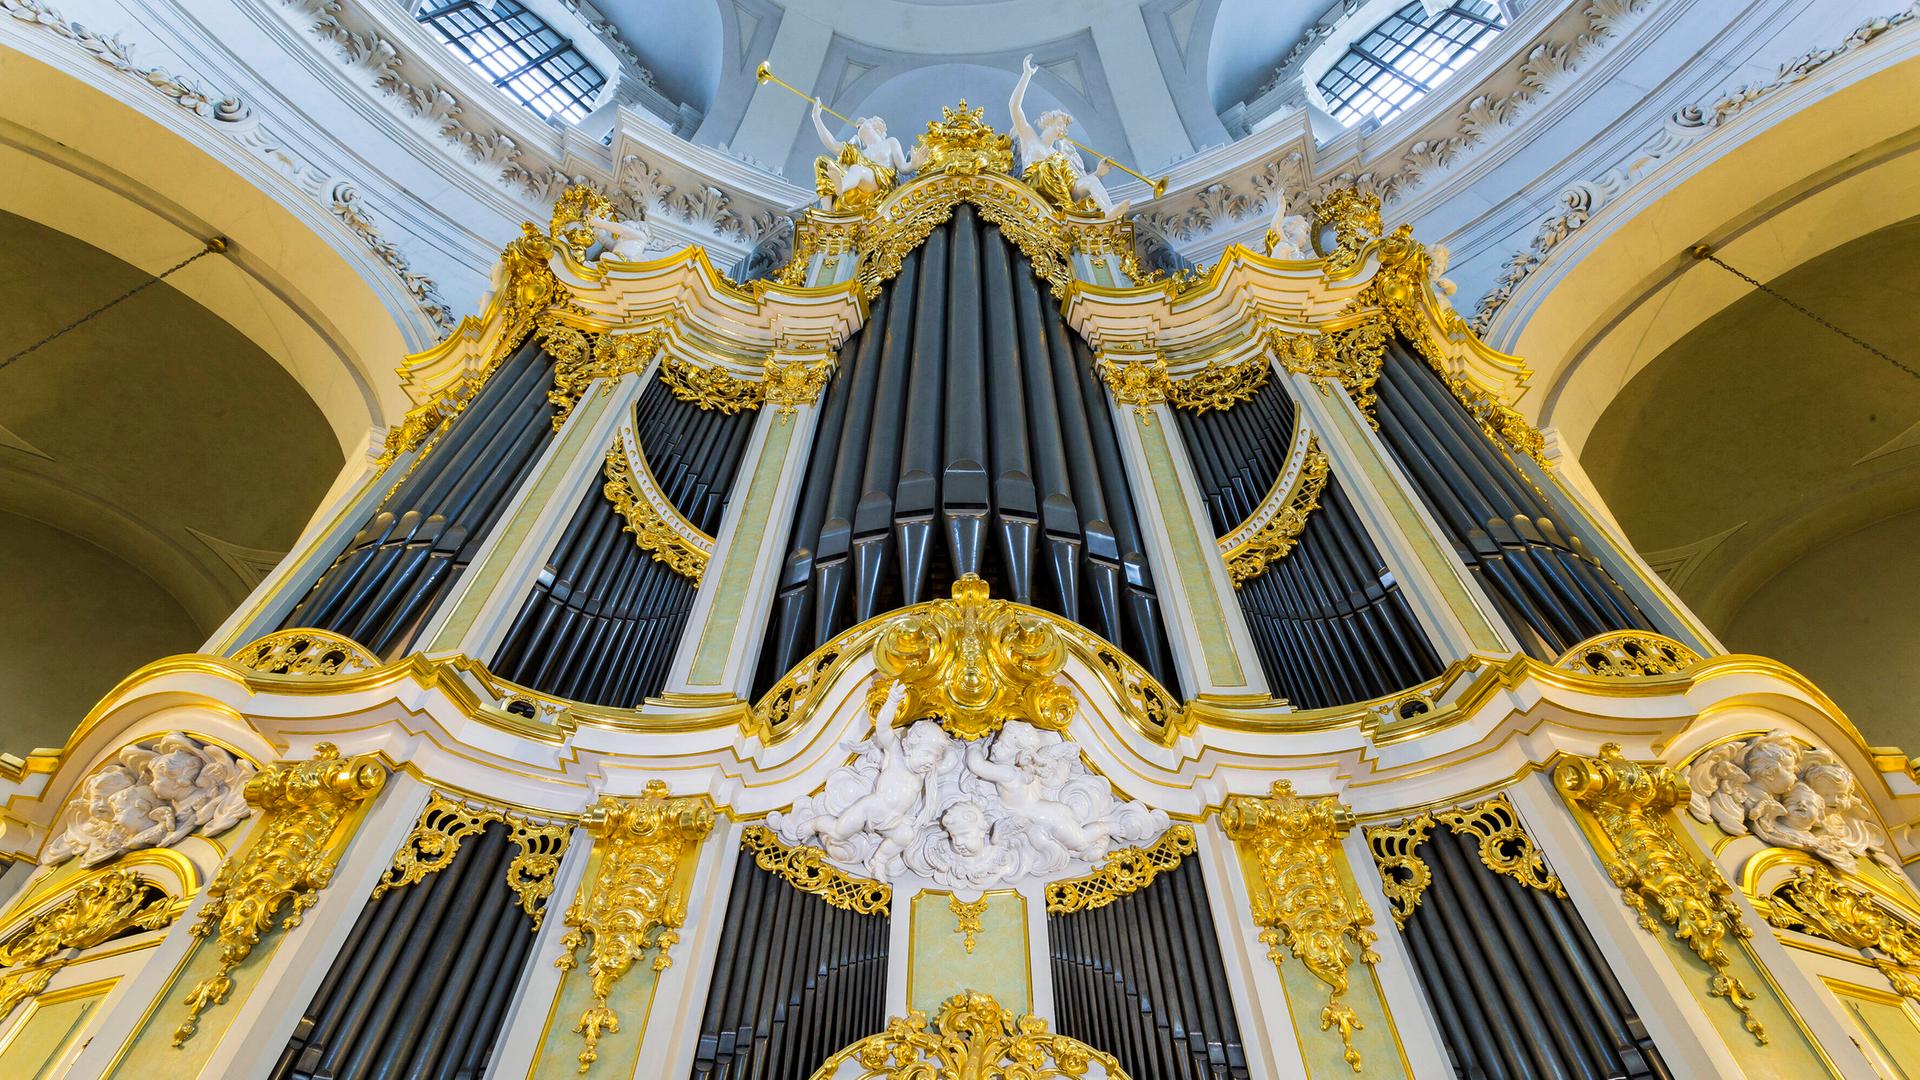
x=710, y=388
x=972, y=1038
x=573, y=213
x=650, y=530
x=1218, y=386
x=1628, y=654
x=1816, y=900
x=1124, y=873
x=1351, y=357
x=1355, y=217
x=1141, y=384
x=1291, y=846
x=806, y=869
x=966, y=919
x=305, y=651
x=634, y=898
x=975, y=663
x=790, y=384
x=99, y=909
x=579, y=358
x=1505, y=847
x=1631, y=805
x=306, y=811
x=1272, y=541
x=1404, y=875
x=960, y=144
x=445, y=824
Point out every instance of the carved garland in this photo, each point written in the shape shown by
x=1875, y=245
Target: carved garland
x=966, y=919
x=972, y=1038
x=710, y=388
x=307, y=810
x=1291, y=848
x=101, y=908
x=1504, y=848
x=650, y=528
x=1125, y=872
x=1816, y=900
x=445, y=824
x=806, y=869
x=634, y=897
x=1629, y=809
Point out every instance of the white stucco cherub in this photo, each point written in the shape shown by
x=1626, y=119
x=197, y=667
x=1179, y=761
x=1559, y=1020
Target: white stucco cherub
x=1051, y=164
x=626, y=240
x=1289, y=236
x=905, y=794
x=1437, y=259
x=1030, y=774
x=858, y=172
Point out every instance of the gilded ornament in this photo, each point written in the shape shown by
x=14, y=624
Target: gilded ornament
x=1352, y=357
x=959, y=144
x=1124, y=873
x=971, y=1038
x=650, y=530
x=1272, y=541
x=1404, y=875
x=1291, y=847
x=974, y=663
x=307, y=810
x=790, y=384
x=1355, y=217
x=573, y=214
x=102, y=907
x=424, y=419
x=913, y=212
x=445, y=824
x=796, y=692
x=579, y=358
x=1817, y=900
x=1139, y=383
x=710, y=388
x=526, y=265
x=634, y=897
x=966, y=919
x=1631, y=806
x=1220, y=386
x=816, y=233
x=1628, y=654
x=1505, y=847
x=806, y=869
x=307, y=652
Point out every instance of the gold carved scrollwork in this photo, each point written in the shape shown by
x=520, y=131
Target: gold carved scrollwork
x=959, y=144
x=806, y=869
x=966, y=919
x=306, y=809
x=1291, y=848
x=1351, y=357
x=634, y=898
x=790, y=384
x=1220, y=386
x=306, y=652
x=1628, y=654
x=1404, y=875
x=913, y=212
x=1271, y=542
x=1355, y=217
x=972, y=1038
x=1505, y=847
x=1630, y=807
x=651, y=531
x=975, y=663
x=424, y=419
x=571, y=226
x=1124, y=873
x=445, y=824
x=1141, y=384
x=1818, y=901
x=579, y=358
x=101, y=908
x=710, y=388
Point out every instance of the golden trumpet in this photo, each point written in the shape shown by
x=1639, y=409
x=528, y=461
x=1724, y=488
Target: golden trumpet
x=764, y=73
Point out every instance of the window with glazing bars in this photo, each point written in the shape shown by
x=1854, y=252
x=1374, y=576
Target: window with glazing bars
x=517, y=52
x=1398, y=62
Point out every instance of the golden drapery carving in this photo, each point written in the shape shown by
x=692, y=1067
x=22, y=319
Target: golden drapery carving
x=306, y=651
x=972, y=1038
x=1291, y=847
x=1124, y=873
x=634, y=897
x=966, y=919
x=650, y=530
x=446, y=823
x=975, y=663
x=101, y=908
x=1817, y=900
x=806, y=869
x=1628, y=654
x=306, y=809
x=1629, y=808
x=1272, y=541
x=710, y=388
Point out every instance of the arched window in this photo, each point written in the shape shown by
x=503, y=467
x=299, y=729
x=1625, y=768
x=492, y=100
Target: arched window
x=519, y=53
x=1396, y=63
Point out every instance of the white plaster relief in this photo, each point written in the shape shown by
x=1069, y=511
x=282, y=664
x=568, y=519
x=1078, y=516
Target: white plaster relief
x=1017, y=805
x=152, y=795
x=1689, y=124
x=1790, y=795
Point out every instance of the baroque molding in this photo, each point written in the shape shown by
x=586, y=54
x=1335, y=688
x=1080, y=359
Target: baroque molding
x=656, y=525
x=1579, y=202
x=306, y=651
x=806, y=869
x=1628, y=654
x=1125, y=872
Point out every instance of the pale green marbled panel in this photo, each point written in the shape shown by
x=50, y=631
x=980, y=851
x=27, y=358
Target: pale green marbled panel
x=941, y=967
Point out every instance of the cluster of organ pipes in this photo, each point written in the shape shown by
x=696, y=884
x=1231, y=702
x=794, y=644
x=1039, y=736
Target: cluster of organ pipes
x=966, y=432
x=605, y=617
x=381, y=590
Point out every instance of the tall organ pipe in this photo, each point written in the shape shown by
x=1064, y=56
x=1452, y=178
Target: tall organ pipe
x=383, y=587
x=1551, y=591
x=1328, y=621
x=965, y=433
x=604, y=617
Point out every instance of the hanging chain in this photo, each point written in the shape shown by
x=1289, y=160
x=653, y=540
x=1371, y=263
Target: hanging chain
x=215, y=246
x=1702, y=251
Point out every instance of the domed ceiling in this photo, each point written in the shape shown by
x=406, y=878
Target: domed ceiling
x=1144, y=79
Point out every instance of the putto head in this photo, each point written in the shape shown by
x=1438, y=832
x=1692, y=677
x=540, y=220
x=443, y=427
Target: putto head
x=1053, y=124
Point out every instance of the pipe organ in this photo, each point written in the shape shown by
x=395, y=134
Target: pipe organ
x=982, y=641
